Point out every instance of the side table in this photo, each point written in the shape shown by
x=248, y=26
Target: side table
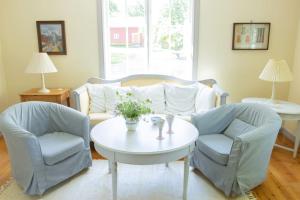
x=287, y=111
x=60, y=96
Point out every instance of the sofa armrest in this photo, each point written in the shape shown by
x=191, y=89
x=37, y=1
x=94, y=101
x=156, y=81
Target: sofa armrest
x=222, y=94
x=81, y=99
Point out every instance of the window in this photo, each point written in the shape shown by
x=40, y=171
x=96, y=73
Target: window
x=148, y=36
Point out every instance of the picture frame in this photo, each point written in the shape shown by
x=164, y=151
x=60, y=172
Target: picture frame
x=51, y=37
x=251, y=36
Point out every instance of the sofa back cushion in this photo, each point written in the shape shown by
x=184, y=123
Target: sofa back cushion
x=237, y=128
x=111, y=98
x=205, y=98
x=155, y=93
x=180, y=100
x=97, y=98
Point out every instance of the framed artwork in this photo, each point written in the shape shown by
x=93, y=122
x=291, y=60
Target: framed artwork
x=51, y=37
x=251, y=36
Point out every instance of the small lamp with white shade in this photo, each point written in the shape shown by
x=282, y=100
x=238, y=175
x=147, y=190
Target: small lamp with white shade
x=41, y=64
x=276, y=71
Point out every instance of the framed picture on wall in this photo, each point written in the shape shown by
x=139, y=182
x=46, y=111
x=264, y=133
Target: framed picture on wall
x=251, y=36
x=51, y=37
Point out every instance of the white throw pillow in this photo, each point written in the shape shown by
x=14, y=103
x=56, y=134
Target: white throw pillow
x=180, y=100
x=155, y=93
x=97, y=98
x=111, y=98
x=205, y=99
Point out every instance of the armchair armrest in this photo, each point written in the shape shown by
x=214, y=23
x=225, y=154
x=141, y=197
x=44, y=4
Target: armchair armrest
x=222, y=94
x=71, y=121
x=81, y=99
x=25, y=153
x=252, y=154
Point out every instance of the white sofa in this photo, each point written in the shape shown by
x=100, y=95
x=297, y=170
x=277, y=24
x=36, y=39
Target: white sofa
x=169, y=94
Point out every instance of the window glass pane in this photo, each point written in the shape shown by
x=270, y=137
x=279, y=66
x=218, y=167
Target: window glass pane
x=126, y=21
x=170, y=38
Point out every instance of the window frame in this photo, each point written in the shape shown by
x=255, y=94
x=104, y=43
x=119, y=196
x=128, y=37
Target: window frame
x=102, y=36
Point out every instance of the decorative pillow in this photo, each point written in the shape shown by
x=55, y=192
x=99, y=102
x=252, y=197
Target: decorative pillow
x=111, y=98
x=180, y=100
x=237, y=128
x=155, y=93
x=97, y=98
x=205, y=98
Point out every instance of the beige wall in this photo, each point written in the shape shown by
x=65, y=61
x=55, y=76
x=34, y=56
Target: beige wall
x=19, y=41
x=238, y=71
x=3, y=90
x=294, y=94
x=295, y=84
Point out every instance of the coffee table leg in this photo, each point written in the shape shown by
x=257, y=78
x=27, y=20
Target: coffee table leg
x=114, y=167
x=185, y=177
x=109, y=166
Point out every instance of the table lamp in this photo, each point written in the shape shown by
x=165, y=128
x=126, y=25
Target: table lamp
x=276, y=71
x=41, y=64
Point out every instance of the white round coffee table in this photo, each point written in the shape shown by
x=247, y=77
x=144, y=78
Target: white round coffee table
x=112, y=141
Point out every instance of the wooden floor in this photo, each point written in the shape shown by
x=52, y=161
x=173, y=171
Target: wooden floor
x=283, y=180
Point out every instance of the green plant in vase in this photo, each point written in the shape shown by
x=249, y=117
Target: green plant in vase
x=132, y=109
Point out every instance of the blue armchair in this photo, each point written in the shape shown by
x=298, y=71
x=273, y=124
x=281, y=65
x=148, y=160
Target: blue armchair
x=47, y=144
x=235, y=145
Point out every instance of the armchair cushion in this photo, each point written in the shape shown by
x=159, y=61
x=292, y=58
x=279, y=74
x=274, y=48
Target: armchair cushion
x=58, y=146
x=237, y=128
x=215, y=146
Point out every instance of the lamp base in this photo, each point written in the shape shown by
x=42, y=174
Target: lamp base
x=44, y=90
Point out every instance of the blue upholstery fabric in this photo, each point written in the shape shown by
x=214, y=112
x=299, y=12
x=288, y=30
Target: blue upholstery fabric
x=237, y=128
x=23, y=125
x=58, y=146
x=250, y=152
x=216, y=146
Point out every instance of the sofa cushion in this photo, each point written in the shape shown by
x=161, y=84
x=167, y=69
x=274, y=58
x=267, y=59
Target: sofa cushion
x=180, y=100
x=237, y=128
x=205, y=98
x=111, y=98
x=97, y=98
x=155, y=93
x=215, y=146
x=96, y=118
x=58, y=146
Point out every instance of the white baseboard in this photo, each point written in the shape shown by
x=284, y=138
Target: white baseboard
x=287, y=134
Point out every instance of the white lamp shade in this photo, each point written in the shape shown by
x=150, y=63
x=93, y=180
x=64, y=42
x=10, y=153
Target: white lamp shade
x=40, y=63
x=276, y=71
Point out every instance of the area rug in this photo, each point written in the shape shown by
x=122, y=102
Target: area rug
x=135, y=182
